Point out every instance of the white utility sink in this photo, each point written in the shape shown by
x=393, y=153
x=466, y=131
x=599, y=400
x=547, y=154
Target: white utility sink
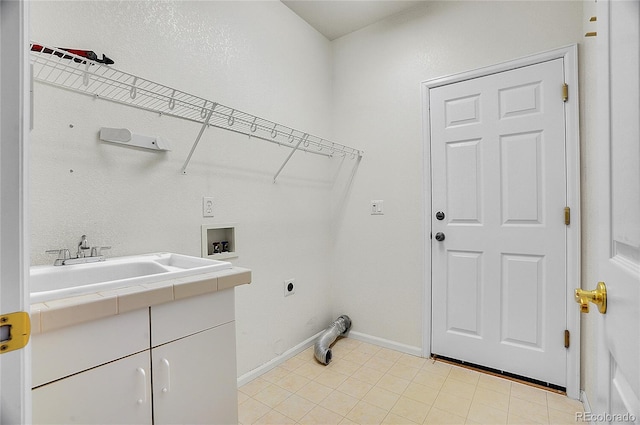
x=53, y=282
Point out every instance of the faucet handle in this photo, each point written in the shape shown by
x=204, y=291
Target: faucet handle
x=96, y=251
x=63, y=254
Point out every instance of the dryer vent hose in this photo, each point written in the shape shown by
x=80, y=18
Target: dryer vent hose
x=338, y=328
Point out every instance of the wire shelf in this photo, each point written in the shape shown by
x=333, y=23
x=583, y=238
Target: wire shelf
x=60, y=68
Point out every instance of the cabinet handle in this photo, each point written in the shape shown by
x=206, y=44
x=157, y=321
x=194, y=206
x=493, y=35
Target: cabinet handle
x=167, y=387
x=143, y=375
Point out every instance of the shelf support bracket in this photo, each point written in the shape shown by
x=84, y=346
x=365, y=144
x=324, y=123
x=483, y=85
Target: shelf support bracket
x=305, y=137
x=193, y=148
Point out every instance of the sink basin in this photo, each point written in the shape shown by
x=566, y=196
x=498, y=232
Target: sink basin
x=53, y=282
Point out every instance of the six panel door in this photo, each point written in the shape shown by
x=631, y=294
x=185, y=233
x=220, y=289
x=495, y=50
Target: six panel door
x=498, y=175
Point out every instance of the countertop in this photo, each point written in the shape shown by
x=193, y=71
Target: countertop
x=64, y=312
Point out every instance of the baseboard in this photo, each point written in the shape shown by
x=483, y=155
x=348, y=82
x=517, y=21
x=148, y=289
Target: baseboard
x=381, y=342
x=585, y=403
x=275, y=362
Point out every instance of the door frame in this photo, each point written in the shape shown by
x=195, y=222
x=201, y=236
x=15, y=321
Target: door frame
x=569, y=54
x=15, y=366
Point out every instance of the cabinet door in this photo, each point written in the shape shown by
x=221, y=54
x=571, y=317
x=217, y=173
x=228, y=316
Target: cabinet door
x=194, y=379
x=116, y=393
x=73, y=349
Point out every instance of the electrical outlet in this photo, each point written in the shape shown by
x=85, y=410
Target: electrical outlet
x=289, y=287
x=207, y=206
x=377, y=207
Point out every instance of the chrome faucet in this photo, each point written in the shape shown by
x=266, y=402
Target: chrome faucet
x=85, y=254
x=83, y=246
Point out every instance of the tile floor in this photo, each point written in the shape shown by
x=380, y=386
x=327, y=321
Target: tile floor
x=367, y=384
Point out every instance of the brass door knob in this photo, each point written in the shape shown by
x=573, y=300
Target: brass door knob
x=598, y=296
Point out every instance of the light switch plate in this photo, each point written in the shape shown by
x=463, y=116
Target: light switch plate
x=377, y=207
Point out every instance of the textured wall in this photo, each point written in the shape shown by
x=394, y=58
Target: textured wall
x=255, y=56
x=377, y=75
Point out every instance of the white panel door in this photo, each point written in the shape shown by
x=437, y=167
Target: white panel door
x=618, y=242
x=498, y=196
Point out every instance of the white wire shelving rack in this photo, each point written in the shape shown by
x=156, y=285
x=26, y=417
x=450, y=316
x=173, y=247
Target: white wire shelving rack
x=59, y=68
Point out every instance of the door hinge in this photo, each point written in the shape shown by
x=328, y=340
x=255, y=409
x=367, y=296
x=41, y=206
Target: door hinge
x=567, y=216
x=565, y=92
x=567, y=338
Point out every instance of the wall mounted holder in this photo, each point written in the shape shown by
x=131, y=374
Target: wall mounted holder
x=64, y=70
x=125, y=137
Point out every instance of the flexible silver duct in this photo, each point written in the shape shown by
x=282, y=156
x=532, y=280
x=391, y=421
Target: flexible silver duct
x=322, y=348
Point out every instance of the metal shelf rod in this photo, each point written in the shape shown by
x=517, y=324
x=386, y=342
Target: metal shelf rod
x=78, y=74
x=289, y=157
x=193, y=148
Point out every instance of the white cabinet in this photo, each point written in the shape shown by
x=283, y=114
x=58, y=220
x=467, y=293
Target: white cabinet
x=192, y=379
x=66, y=351
x=116, y=393
x=193, y=358
x=101, y=372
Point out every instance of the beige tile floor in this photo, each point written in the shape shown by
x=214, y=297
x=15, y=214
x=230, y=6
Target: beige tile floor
x=367, y=384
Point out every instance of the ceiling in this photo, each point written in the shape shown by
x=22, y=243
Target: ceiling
x=335, y=18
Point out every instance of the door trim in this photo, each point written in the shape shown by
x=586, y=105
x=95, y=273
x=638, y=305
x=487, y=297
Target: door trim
x=569, y=54
x=15, y=368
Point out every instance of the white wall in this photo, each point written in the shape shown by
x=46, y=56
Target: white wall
x=256, y=56
x=380, y=260
x=364, y=89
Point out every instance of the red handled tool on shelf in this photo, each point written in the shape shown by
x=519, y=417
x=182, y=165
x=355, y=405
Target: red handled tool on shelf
x=89, y=54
